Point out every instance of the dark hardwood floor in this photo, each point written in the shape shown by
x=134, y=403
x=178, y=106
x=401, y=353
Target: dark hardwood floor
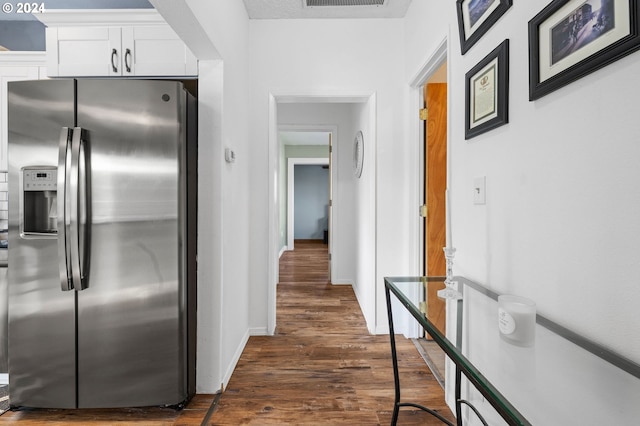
x=321, y=368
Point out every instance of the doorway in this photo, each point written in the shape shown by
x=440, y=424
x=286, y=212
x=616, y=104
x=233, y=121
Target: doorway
x=298, y=150
x=431, y=88
x=342, y=116
x=435, y=186
x=308, y=200
x=300, y=146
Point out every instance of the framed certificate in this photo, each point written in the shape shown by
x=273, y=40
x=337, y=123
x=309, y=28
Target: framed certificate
x=487, y=92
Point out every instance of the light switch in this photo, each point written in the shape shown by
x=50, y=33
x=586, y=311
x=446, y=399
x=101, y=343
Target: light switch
x=229, y=155
x=479, y=190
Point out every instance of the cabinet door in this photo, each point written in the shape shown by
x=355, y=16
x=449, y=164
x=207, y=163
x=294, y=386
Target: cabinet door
x=84, y=51
x=156, y=50
x=7, y=74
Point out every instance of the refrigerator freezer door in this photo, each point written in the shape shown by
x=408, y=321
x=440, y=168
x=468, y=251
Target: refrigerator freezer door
x=42, y=351
x=131, y=316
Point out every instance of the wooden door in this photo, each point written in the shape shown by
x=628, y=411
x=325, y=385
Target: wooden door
x=435, y=184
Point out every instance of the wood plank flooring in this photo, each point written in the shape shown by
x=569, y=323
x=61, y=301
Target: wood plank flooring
x=321, y=368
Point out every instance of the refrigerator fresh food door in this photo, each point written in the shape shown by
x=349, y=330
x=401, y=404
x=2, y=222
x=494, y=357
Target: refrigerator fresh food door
x=131, y=316
x=42, y=327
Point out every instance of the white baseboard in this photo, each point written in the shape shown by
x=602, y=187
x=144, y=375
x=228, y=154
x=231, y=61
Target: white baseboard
x=342, y=282
x=259, y=331
x=371, y=322
x=236, y=357
x=282, y=250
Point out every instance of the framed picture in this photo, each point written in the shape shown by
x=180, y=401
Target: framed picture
x=487, y=93
x=569, y=39
x=475, y=17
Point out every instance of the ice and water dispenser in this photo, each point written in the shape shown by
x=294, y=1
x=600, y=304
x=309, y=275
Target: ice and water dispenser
x=39, y=198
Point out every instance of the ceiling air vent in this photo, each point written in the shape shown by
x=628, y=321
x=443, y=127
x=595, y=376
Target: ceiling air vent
x=314, y=3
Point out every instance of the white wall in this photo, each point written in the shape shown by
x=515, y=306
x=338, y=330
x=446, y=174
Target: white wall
x=332, y=58
x=366, y=225
x=560, y=224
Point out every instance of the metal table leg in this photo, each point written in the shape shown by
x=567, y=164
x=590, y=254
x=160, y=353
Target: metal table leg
x=396, y=375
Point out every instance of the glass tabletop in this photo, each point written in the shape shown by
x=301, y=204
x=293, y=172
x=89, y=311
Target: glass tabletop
x=561, y=379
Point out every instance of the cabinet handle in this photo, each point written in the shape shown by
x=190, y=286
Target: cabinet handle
x=127, y=56
x=114, y=53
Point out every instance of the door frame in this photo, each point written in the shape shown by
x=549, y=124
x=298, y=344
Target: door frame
x=291, y=163
x=316, y=128
x=312, y=96
x=416, y=84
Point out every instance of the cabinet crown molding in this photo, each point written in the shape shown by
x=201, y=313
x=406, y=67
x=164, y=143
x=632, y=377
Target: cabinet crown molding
x=102, y=17
x=22, y=58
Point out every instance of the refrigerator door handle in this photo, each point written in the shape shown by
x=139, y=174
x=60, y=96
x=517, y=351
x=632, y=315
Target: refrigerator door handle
x=76, y=203
x=84, y=209
x=64, y=169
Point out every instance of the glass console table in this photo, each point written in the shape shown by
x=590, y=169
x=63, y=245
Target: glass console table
x=563, y=379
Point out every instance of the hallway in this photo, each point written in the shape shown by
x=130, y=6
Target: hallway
x=322, y=366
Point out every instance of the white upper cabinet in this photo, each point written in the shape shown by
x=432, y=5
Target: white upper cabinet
x=77, y=51
x=156, y=50
x=131, y=43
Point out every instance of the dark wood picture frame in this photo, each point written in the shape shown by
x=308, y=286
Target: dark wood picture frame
x=568, y=40
x=487, y=93
x=474, y=21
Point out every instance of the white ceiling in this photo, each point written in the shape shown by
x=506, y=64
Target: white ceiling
x=304, y=138
x=295, y=9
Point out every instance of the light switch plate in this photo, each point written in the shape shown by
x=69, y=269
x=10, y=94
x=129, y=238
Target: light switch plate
x=229, y=155
x=480, y=190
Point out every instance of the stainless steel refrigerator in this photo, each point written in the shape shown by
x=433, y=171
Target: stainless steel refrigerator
x=101, y=282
